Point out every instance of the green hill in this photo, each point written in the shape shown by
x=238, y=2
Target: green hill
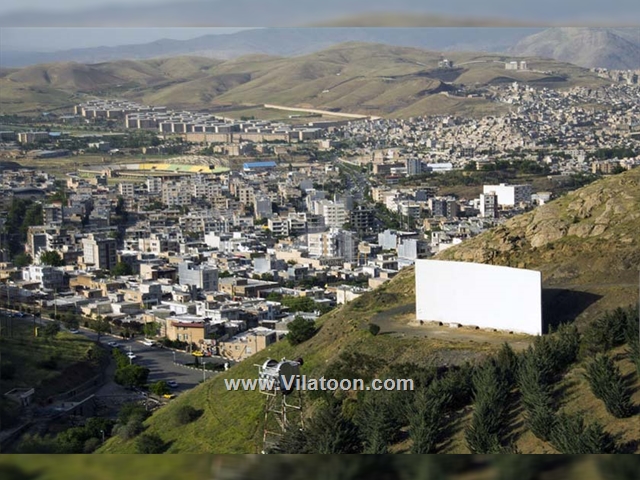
x=352, y=77
x=585, y=245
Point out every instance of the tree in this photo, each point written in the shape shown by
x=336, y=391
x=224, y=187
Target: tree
x=608, y=385
x=121, y=269
x=160, y=388
x=377, y=422
x=101, y=326
x=329, y=432
x=151, y=329
x=131, y=376
x=490, y=410
x=51, y=329
x=571, y=435
x=425, y=417
x=300, y=330
x=537, y=397
x=52, y=258
x=22, y=260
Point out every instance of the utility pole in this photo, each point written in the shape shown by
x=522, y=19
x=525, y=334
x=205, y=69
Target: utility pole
x=203, y=370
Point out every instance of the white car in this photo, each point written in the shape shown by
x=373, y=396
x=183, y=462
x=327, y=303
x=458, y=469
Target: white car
x=74, y=331
x=131, y=355
x=113, y=344
x=148, y=343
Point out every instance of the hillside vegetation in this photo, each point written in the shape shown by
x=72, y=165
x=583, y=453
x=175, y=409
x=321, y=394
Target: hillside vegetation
x=585, y=246
x=353, y=77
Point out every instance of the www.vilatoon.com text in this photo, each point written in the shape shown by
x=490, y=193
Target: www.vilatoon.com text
x=302, y=383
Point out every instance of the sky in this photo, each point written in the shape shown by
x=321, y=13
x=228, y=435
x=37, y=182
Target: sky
x=79, y=22
x=42, y=39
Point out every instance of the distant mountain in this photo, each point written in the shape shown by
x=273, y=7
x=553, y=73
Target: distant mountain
x=371, y=79
x=285, y=42
x=613, y=48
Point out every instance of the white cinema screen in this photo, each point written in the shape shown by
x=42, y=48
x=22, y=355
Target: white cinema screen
x=484, y=296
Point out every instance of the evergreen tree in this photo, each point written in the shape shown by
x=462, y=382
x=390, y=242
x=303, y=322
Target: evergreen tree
x=425, y=417
x=536, y=396
x=571, y=435
x=490, y=410
x=608, y=385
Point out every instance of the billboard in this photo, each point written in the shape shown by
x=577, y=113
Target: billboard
x=475, y=294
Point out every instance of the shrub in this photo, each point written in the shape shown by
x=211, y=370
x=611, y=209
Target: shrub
x=150, y=443
x=186, y=414
x=131, y=429
x=160, y=388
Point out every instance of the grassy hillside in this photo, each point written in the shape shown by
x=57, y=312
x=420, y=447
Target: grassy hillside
x=583, y=243
x=352, y=77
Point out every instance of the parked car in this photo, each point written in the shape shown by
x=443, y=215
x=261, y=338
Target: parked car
x=148, y=343
x=131, y=355
x=168, y=395
x=172, y=383
x=113, y=344
x=74, y=331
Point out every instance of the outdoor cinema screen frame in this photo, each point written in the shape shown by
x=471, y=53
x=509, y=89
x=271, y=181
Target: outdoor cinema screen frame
x=474, y=294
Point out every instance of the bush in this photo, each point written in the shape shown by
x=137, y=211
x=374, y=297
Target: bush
x=300, y=330
x=131, y=429
x=607, y=384
x=374, y=329
x=608, y=331
x=160, y=388
x=150, y=443
x=131, y=376
x=186, y=414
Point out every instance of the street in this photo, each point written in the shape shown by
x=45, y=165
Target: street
x=159, y=361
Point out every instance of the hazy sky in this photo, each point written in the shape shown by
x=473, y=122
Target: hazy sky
x=61, y=5
x=51, y=39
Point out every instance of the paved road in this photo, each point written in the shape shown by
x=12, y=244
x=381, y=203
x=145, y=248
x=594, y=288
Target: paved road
x=159, y=361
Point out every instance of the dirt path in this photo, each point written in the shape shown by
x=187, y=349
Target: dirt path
x=401, y=321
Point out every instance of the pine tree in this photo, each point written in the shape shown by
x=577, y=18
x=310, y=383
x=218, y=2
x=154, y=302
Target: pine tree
x=425, y=416
x=608, y=385
x=571, y=435
x=536, y=396
x=490, y=410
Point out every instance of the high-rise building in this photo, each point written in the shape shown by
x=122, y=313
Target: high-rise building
x=204, y=277
x=361, y=218
x=489, y=205
x=414, y=166
x=509, y=195
x=99, y=252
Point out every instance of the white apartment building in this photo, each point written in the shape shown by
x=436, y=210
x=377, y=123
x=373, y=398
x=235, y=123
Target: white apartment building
x=509, y=195
x=174, y=194
x=126, y=189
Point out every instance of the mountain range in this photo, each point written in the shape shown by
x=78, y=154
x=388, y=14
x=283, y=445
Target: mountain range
x=615, y=48
x=371, y=79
